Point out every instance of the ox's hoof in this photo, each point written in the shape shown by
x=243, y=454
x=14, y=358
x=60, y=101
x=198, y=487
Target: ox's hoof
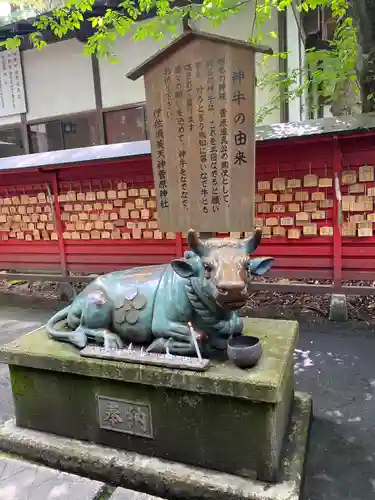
x=112, y=341
x=78, y=338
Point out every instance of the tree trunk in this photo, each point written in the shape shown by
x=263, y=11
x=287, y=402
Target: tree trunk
x=364, y=17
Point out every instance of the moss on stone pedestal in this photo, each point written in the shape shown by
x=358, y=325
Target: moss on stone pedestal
x=262, y=383
x=225, y=418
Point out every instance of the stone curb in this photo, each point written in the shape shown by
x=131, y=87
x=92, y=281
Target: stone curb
x=160, y=477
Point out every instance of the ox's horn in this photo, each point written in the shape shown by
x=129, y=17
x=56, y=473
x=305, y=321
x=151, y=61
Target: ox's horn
x=253, y=241
x=195, y=243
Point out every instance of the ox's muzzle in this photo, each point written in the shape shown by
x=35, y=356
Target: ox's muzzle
x=231, y=295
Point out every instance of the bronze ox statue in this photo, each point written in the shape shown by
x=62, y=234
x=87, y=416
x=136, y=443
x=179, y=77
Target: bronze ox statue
x=152, y=306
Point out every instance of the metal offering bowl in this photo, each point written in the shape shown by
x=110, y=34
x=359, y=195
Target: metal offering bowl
x=244, y=351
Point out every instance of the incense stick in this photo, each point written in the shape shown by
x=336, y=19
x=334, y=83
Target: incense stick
x=194, y=337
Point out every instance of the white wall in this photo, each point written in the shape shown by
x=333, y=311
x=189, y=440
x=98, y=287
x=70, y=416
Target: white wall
x=9, y=120
x=239, y=26
x=58, y=80
x=118, y=90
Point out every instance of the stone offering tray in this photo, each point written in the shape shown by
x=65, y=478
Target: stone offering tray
x=139, y=356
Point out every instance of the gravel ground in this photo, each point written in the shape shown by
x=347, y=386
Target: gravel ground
x=299, y=306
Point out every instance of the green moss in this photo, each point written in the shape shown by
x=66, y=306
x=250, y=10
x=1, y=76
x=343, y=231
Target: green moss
x=105, y=493
x=21, y=384
x=224, y=433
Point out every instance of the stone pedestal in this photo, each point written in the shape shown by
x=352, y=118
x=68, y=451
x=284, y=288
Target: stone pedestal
x=225, y=419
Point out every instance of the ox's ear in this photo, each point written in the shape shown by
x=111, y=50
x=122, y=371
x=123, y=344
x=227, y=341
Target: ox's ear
x=195, y=243
x=251, y=243
x=260, y=265
x=183, y=268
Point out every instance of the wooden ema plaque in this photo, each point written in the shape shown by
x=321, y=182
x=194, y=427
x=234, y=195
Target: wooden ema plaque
x=279, y=231
x=200, y=93
x=326, y=231
x=325, y=182
x=264, y=185
x=286, y=197
x=366, y=173
x=270, y=198
x=348, y=177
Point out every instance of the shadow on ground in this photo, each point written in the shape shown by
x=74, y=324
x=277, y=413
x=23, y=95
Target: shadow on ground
x=339, y=466
x=335, y=363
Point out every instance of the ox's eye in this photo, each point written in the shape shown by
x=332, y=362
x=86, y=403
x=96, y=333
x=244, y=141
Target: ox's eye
x=247, y=268
x=207, y=269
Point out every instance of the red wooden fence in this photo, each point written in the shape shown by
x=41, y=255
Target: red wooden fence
x=335, y=259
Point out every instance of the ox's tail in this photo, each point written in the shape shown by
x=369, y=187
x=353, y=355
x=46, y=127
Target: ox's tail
x=76, y=337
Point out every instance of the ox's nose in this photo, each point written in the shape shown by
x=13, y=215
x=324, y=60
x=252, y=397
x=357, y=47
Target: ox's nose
x=231, y=287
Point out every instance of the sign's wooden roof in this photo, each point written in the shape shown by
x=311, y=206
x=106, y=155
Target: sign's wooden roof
x=184, y=39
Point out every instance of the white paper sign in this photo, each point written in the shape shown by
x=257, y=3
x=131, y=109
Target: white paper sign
x=12, y=91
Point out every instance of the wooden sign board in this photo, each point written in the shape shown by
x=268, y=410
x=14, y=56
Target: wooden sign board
x=326, y=203
x=365, y=224
x=348, y=202
x=326, y=231
x=294, y=207
x=200, y=93
x=279, y=231
x=318, y=215
x=279, y=184
x=272, y=221
x=310, y=180
x=318, y=196
x=325, y=182
x=354, y=219
x=279, y=208
x=365, y=232
x=301, y=196
x=357, y=188
x=310, y=229
x=366, y=173
x=264, y=185
x=286, y=197
x=294, y=183
x=270, y=197
x=302, y=217
x=349, y=177
x=287, y=221
x=294, y=234
x=266, y=232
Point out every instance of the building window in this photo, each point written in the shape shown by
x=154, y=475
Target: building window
x=125, y=125
x=11, y=142
x=69, y=133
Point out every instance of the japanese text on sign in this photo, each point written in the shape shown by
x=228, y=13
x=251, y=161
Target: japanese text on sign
x=160, y=161
x=125, y=416
x=203, y=99
x=12, y=94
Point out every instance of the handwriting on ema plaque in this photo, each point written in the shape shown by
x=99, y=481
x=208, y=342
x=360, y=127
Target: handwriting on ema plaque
x=127, y=417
